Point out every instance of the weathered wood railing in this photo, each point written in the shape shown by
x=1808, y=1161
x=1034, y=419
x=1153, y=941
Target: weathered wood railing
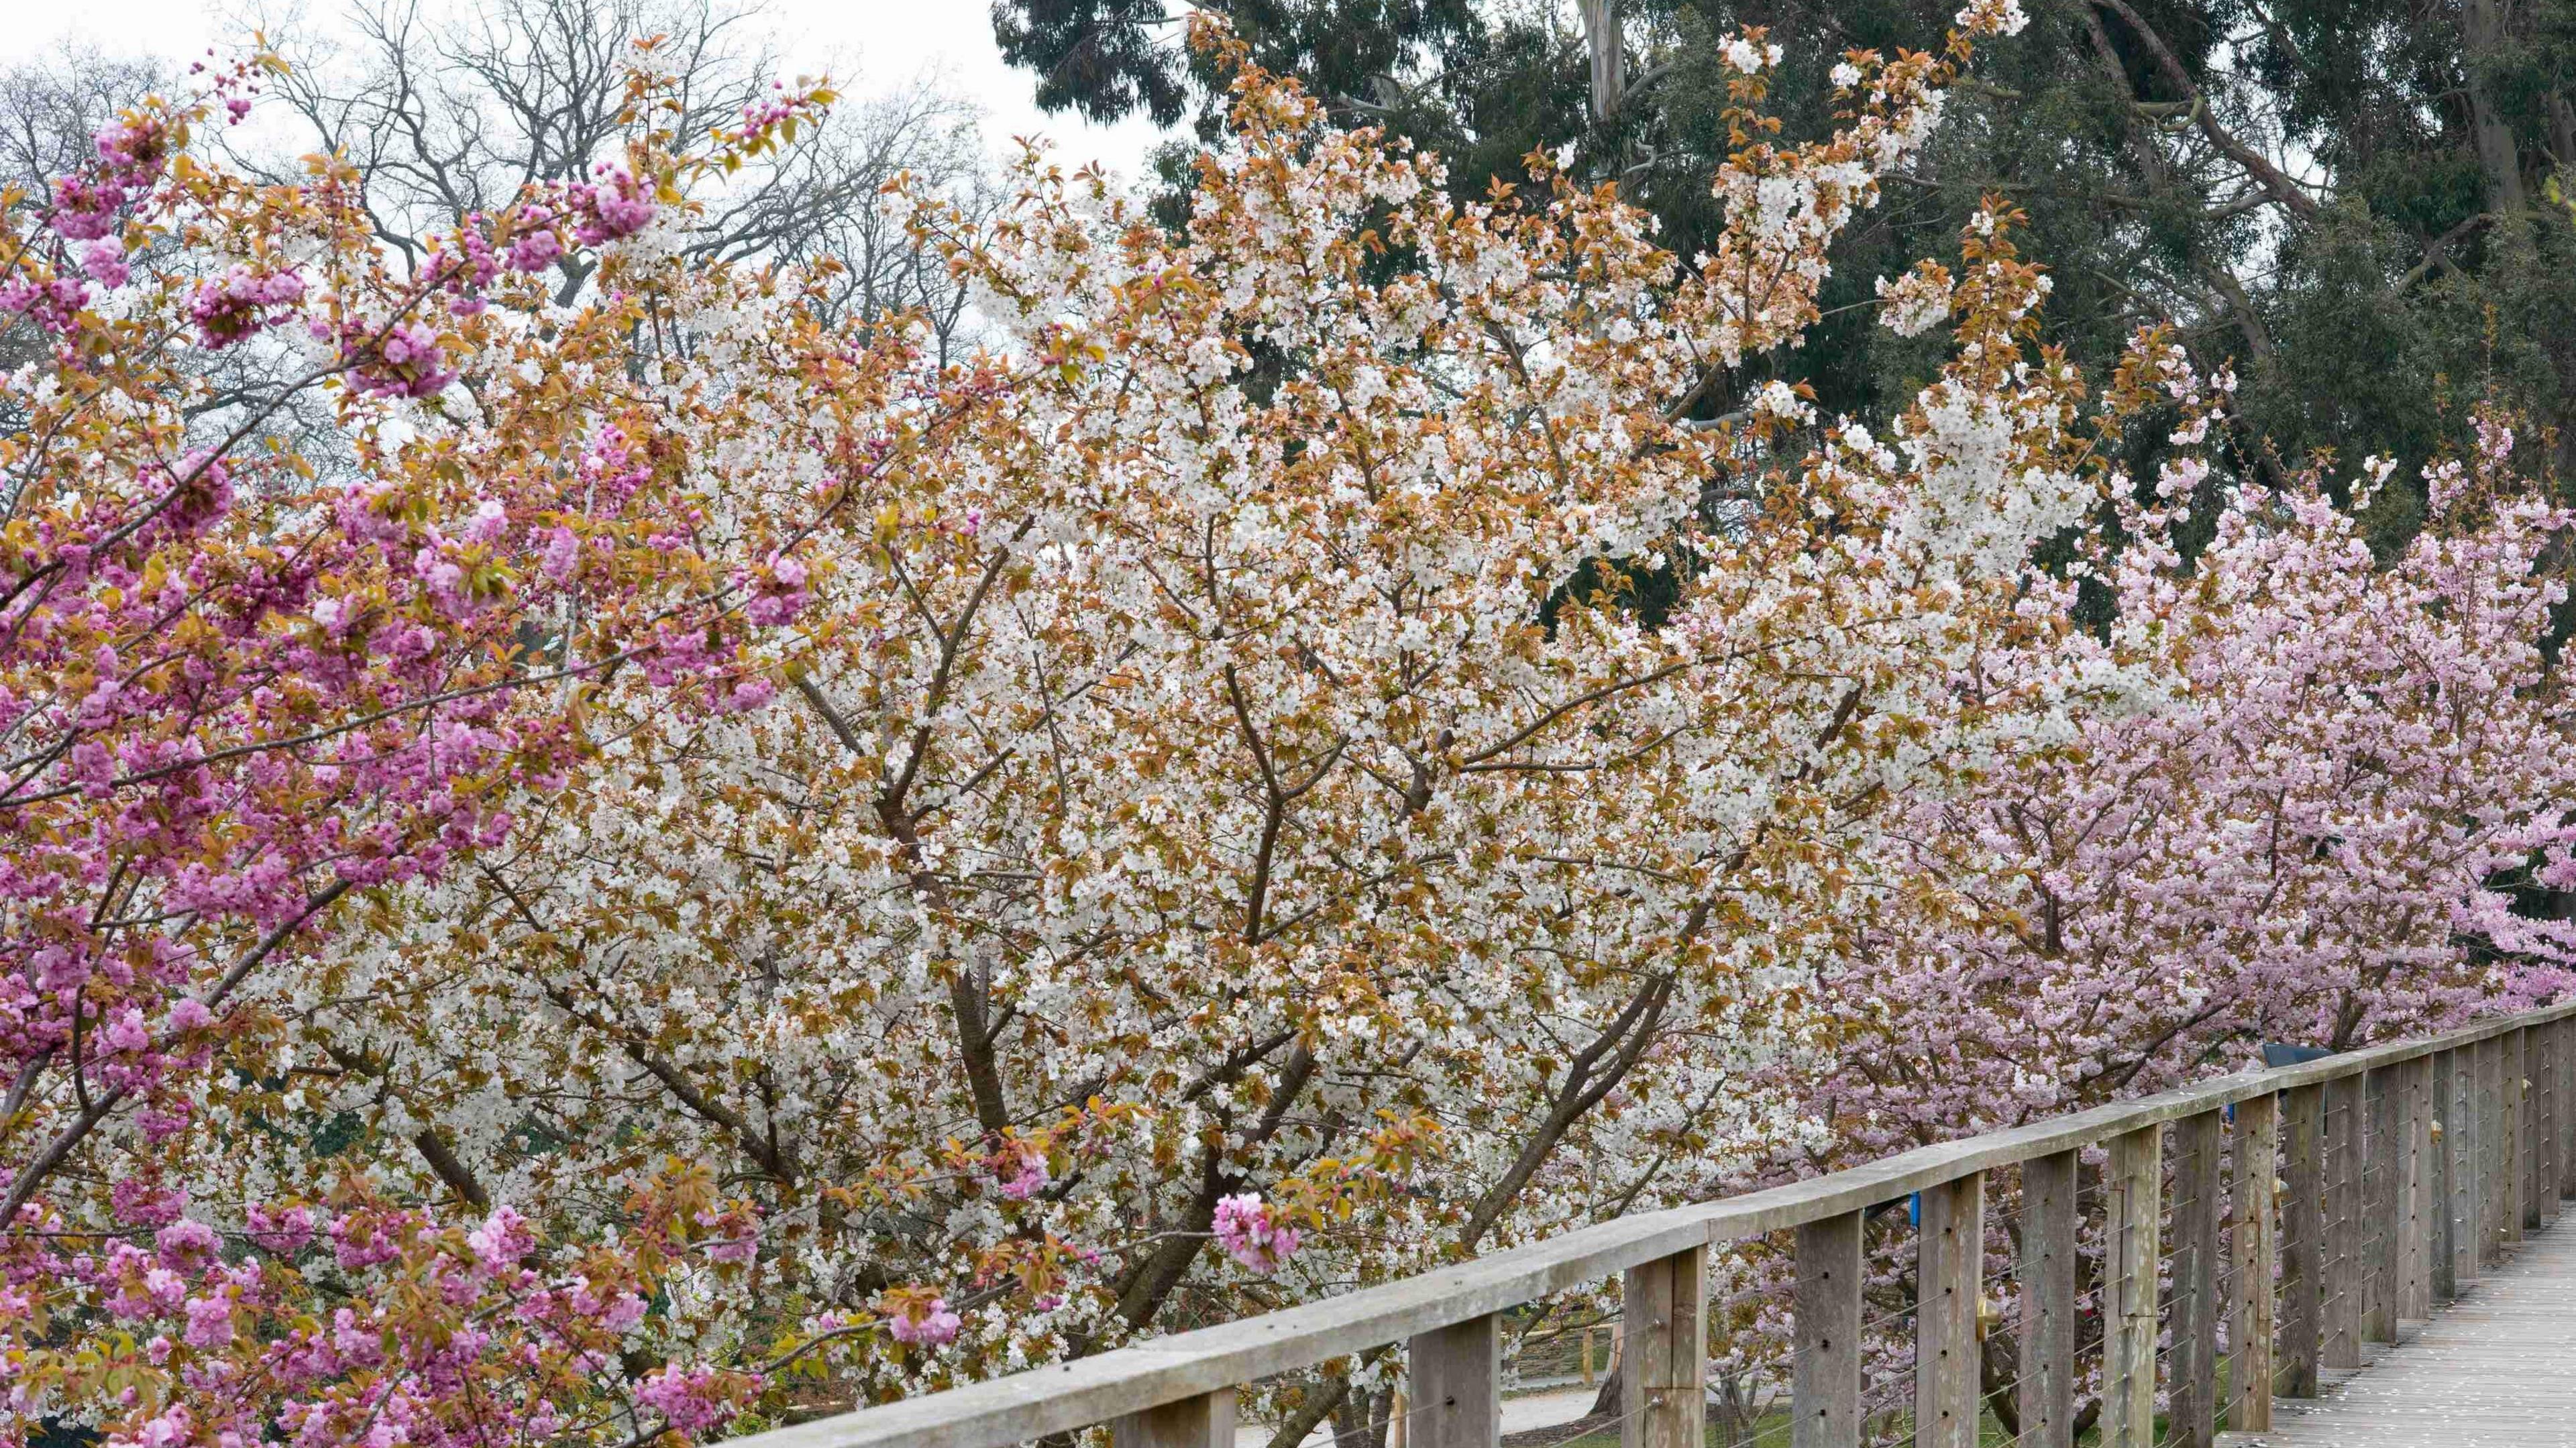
x=2453, y=1145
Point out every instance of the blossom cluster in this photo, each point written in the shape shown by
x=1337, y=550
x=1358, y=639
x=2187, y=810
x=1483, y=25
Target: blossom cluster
x=431, y=1334
x=240, y=303
x=1252, y=1233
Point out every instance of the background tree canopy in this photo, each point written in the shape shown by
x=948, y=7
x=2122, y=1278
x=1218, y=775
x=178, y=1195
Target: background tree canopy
x=2365, y=207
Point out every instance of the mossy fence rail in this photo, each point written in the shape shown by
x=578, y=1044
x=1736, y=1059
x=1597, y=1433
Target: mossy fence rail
x=2397, y=1174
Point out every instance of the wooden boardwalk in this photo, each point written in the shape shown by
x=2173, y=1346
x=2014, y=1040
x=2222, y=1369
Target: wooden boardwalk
x=2496, y=1368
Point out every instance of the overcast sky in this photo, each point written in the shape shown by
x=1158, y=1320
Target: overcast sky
x=873, y=44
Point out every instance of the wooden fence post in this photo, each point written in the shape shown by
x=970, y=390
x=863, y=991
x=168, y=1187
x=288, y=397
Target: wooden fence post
x=2133, y=1206
x=2495, y=1196
x=2049, y=1228
x=2258, y=1132
x=1949, y=1266
x=2191, y=1414
x=2441, y=1200
x=2340, y=1291
x=1454, y=1381
x=2544, y=1133
x=2383, y=1208
x=2460, y=1159
x=2554, y=1104
x=2554, y=1168
x=2302, y=1238
x=2416, y=1239
x=2524, y=1212
x=1666, y=1390
x=2565, y=1057
x=1206, y=1421
x=1825, y=1376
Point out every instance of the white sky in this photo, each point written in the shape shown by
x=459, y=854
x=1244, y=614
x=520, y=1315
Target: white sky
x=869, y=45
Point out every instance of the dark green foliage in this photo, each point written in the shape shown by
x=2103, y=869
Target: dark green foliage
x=338, y=1133
x=1113, y=58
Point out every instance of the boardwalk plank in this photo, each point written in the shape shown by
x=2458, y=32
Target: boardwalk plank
x=2489, y=1371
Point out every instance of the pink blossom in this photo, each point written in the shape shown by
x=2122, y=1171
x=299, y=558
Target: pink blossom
x=105, y=260
x=615, y=467
x=768, y=111
x=134, y=149
x=464, y=263
x=51, y=304
x=166, y=1288
x=688, y=1399
x=779, y=595
x=86, y=210
x=284, y=1231
x=144, y=1204
x=615, y=206
x=504, y=1238
x=187, y=1244
x=490, y=518
x=241, y=303
x=162, y=1120
x=561, y=556
x=124, y=1031
x=1022, y=1167
x=404, y=361
x=1251, y=1234
x=210, y=1322
x=617, y=1312
x=535, y=249
x=925, y=1323
x=216, y=771
x=170, y=1429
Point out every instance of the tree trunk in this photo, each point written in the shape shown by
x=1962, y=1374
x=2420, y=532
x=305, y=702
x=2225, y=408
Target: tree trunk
x=2484, y=25
x=1607, y=1404
x=1999, y=1369
x=1609, y=61
x=1360, y=1421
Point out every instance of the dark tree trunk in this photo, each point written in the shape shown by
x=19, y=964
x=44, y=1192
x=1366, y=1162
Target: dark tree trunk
x=1607, y=1405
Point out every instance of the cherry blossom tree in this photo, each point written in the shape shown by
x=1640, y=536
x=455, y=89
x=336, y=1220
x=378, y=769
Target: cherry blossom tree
x=2298, y=806
x=250, y=693
x=2303, y=817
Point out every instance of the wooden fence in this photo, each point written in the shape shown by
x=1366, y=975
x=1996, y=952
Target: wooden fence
x=2367, y=1187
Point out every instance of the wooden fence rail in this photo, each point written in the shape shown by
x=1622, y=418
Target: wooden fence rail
x=2367, y=1187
